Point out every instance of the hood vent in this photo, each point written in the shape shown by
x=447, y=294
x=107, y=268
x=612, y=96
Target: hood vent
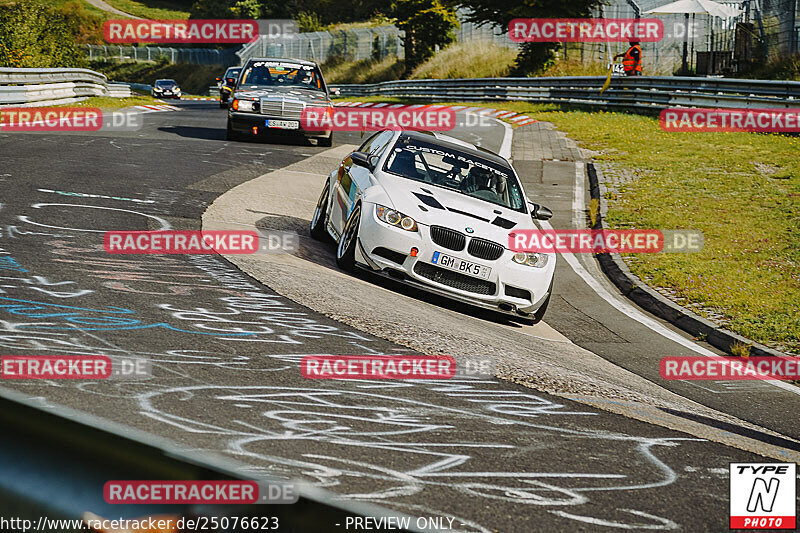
x=467, y=214
x=504, y=223
x=429, y=201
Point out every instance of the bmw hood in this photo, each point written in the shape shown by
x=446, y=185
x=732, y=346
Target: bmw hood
x=437, y=206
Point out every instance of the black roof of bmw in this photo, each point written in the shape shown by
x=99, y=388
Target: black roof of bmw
x=477, y=151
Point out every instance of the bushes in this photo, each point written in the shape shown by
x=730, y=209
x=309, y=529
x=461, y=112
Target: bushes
x=785, y=68
x=36, y=35
x=86, y=26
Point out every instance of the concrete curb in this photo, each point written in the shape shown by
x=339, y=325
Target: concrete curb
x=650, y=300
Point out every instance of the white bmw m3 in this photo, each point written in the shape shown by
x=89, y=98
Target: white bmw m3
x=435, y=212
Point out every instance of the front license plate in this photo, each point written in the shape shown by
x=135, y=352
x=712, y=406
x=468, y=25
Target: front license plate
x=283, y=124
x=459, y=265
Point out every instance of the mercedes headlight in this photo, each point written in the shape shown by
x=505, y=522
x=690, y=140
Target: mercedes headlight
x=395, y=218
x=534, y=259
x=243, y=105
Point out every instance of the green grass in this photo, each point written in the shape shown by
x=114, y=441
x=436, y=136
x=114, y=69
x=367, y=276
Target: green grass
x=153, y=9
x=365, y=71
x=193, y=79
x=475, y=59
x=80, y=4
x=107, y=102
x=470, y=60
x=742, y=190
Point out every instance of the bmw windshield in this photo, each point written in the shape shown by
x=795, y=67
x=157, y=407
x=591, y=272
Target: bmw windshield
x=456, y=170
x=260, y=74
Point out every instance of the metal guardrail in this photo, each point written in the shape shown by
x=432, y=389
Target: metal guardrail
x=640, y=93
x=51, y=86
x=54, y=462
x=118, y=90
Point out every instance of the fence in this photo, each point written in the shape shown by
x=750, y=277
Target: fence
x=198, y=56
x=352, y=44
x=763, y=30
x=51, y=86
x=640, y=93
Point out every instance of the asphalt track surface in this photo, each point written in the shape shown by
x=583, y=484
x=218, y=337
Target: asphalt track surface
x=492, y=455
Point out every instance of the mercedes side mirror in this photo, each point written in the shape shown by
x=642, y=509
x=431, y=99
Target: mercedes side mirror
x=540, y=212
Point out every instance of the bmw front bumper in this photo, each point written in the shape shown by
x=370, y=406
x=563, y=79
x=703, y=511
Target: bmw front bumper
x=510, y=287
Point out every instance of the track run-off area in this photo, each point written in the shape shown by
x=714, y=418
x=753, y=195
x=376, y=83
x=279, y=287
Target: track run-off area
x=576, y=432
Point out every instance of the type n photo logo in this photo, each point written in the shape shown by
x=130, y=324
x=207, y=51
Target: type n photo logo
x=763, y=495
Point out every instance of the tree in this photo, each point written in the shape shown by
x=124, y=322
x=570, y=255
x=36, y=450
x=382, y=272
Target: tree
x=225, y=9
x=533, y=57
x=427, y=24
x=35, y=35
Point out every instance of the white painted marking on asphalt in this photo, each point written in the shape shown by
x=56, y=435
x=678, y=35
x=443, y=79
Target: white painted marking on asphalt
x=508, y=136
x=664, y=522
x=622, y=306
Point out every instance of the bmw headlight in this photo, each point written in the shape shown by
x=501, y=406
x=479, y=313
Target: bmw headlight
x=534, y=259
x=395, y=218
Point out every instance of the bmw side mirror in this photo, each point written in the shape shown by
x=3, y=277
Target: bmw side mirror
x=361, y=159
x=540, y=212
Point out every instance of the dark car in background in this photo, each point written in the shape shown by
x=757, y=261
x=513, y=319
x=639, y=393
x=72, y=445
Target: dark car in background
x=270, y=96
x=166, y=89
x=227, y=83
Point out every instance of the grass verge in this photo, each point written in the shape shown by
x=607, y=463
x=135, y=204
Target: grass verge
x=107, y=102
x=742, y=190
x=153, y=9
x=337, y=70
x=475, y=59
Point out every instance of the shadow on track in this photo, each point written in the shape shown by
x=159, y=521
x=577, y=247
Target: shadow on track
x=323, y=254
x=218, y=134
